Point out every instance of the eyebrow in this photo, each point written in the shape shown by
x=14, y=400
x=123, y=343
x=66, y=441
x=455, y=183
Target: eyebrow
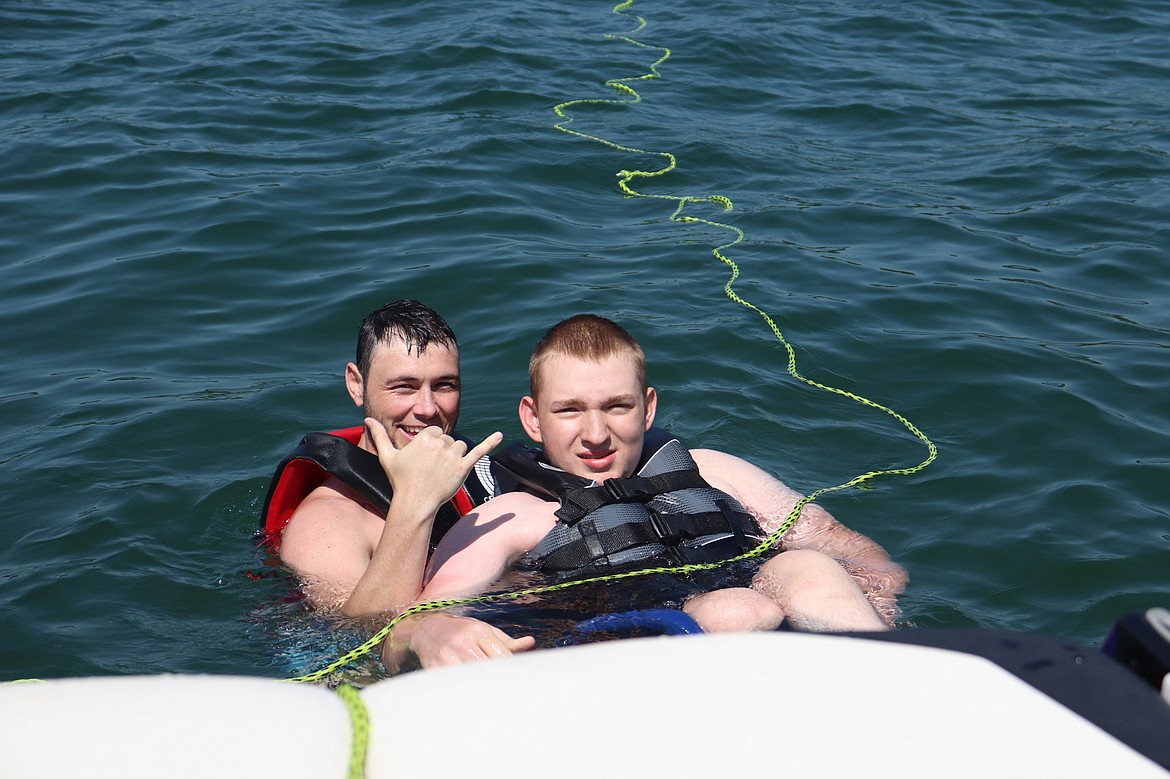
x=622, y=398
x=411, y=378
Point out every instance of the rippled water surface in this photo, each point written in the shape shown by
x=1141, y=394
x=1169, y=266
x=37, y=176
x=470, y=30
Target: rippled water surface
x=955, y=209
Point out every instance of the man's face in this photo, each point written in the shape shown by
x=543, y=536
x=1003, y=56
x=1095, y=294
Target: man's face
x=590, y=416
x=407, y=392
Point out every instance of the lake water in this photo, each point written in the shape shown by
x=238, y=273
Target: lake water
x=957, y=209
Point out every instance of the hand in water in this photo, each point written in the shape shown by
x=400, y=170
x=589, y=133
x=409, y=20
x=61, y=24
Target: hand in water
x=439, y=640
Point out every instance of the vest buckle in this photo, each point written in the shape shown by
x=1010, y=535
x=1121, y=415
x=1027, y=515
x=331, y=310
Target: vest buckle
x=671, y=529
x=631, y=490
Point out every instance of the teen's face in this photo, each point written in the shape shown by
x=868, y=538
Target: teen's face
x=407, y=392
x=591, y=416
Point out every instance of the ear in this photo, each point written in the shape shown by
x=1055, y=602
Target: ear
x=529, y=419
x=651, y=406
x=355, y=385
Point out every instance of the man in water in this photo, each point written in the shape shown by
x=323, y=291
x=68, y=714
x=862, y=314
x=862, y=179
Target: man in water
x=590, y=409
x=349, y=555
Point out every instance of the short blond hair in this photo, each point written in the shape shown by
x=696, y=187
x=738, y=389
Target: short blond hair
x=587, y=337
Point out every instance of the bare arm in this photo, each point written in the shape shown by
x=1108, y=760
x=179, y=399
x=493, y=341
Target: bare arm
x=351, y=560
x=441, y=639
x=771, y=501
x=474, y=553
x=469, y=559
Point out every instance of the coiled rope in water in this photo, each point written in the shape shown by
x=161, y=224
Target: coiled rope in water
x=349, y=694
x=625, y=177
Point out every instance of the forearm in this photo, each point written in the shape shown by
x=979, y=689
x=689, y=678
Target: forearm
x=863, y=557
x=475, y=553
x=771, y=502
x=398, y=654
x=424, y=475
x=394, y=577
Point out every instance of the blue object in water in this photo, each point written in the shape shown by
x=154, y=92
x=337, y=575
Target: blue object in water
x=667, y=622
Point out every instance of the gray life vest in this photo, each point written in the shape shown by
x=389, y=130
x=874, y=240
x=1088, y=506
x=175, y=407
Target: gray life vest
x=666, y=514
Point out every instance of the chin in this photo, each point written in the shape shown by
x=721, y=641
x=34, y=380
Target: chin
x=610, y=474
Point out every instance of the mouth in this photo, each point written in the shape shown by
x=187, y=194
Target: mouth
x=598, y=461
x=409, y=432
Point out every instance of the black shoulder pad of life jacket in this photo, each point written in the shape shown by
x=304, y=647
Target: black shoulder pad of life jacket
x=520, y=467
x=349, y=463
x=361, y=470
x=655, y=439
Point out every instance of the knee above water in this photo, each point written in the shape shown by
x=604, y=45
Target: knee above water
x=734, y=609
x=799, y=564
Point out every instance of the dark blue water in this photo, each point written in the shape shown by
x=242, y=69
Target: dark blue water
x=955, y=209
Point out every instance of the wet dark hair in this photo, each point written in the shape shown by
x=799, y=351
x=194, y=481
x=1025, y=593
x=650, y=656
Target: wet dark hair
x=417, y=325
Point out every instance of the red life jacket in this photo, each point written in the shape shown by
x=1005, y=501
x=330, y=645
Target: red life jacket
x=321, y=455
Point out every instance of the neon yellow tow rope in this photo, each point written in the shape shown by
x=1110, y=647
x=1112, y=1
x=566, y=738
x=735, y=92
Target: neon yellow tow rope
x=625, y=177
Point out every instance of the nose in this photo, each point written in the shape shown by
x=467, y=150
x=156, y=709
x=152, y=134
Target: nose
x=425, y=406
x=595, y=431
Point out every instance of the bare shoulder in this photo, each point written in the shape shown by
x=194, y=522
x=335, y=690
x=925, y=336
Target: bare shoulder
x=735, y=474
x=328, y=524
x=766, y=497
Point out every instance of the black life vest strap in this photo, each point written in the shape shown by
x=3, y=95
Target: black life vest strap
x=361, y=471
x=593, y=547
x=518, y=467
x=350, y=464
x=579, y=502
